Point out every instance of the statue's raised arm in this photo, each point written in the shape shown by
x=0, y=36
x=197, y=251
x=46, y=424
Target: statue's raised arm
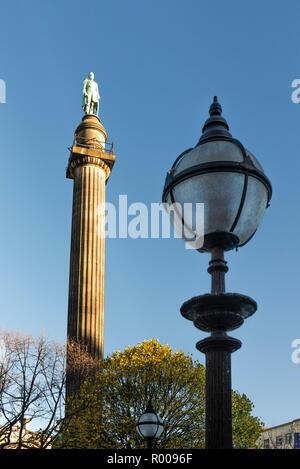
x=90, y=95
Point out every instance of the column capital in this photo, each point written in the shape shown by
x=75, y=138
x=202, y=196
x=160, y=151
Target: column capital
x=87, y=156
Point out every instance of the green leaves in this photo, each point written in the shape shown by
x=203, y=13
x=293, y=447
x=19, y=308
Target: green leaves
x=118, y=396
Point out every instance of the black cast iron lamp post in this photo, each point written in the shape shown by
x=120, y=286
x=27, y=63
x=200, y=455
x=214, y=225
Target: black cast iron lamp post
x=231, y=183
x=149, y=425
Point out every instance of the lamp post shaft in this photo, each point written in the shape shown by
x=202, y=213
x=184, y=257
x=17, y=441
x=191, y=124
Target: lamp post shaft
x=218, y=400
x=149, y=443
x=217, y=269
x=218, y=372
x=218, y=348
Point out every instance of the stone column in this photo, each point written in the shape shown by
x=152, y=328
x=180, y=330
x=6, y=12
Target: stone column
x=89, y=166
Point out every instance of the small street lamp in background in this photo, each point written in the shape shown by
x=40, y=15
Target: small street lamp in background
x=149, y=425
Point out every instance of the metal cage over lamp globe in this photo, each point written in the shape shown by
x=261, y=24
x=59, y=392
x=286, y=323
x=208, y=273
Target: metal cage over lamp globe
x=227, y=178
x=220, y=173
x=149, y=425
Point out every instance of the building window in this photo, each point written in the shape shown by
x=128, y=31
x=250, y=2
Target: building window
x=278, y=441
x=288, y=438
x=266, y=444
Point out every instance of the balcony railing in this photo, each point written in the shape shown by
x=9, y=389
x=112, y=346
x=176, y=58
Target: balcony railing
x=93, y=143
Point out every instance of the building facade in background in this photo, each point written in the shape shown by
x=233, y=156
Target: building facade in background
x=285, y=436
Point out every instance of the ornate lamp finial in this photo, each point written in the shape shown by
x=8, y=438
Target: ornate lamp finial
x=215, y=125
x=215, y=108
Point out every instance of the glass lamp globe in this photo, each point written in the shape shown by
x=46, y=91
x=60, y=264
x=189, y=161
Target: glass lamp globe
x=220, y=173
x=149, y=425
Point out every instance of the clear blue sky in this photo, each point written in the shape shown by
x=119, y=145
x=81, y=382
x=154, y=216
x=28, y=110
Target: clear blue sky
x=158, y=65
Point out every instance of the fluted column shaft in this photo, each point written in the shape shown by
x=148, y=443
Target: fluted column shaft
x=87, y=261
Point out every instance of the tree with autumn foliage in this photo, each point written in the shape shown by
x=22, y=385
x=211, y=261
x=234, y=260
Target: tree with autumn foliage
x=118, y=395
